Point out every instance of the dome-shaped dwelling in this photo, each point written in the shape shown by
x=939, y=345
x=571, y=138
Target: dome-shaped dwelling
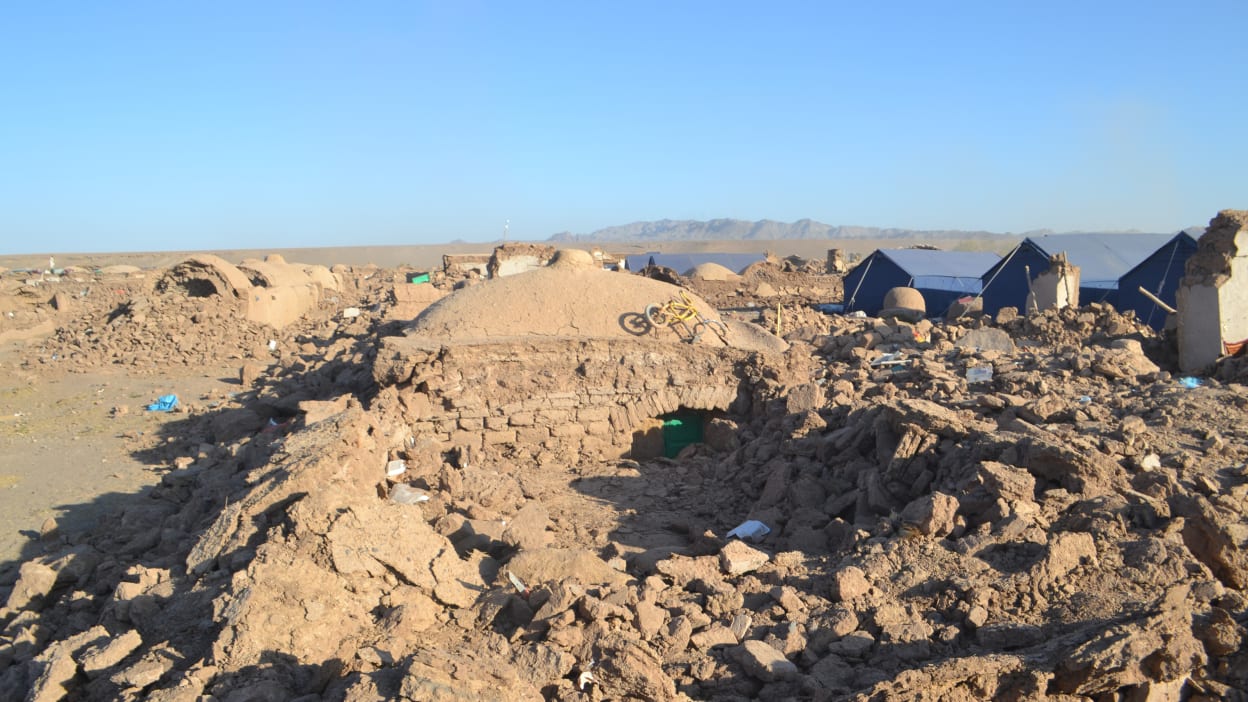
x=561, y=360
x=712, y=271
x=271, y=291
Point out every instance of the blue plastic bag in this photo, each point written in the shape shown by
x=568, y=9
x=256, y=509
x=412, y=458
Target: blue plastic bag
x=164, y=403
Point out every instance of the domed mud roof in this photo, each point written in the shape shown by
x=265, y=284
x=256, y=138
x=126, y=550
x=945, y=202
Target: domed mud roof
x=711, y=271
x=572, y=297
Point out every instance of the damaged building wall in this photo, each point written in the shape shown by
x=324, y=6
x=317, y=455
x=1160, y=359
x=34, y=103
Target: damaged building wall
x=1055, y=288
x=836, y=262
x=271, y=291
x=510, y=259
x=274, y=272
x=457, y=265
x=505, y=260
x=410, y=299
x=554, y=398
x=205, y=275
x=1213, y=295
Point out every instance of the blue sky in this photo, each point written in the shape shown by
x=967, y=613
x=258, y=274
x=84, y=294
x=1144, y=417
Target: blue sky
x=157, y=126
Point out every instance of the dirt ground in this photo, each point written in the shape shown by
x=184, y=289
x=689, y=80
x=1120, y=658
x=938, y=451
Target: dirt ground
x=69, y=444
x=356, y=507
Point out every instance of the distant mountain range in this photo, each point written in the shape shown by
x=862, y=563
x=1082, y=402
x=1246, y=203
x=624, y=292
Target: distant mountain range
x=763, y=229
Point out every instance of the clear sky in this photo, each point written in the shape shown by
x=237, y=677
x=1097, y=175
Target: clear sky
x=177, y=125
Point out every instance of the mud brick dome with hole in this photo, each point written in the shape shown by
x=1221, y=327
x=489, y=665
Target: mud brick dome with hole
x=559, y=362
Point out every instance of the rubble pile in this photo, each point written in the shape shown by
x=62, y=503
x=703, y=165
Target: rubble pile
x=33, y=303
x=1027, y=508
x=1094, y=323
x=789, y=282
x=176, y=319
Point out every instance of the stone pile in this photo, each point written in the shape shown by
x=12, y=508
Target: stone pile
x=1026, y=508
x=32, y=305
x=765, y=284
x=154, y=324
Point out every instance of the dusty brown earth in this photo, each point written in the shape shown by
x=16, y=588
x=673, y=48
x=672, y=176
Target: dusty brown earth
x=365, y=509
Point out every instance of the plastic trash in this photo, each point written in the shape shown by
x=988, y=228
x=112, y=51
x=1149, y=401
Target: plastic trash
x=1085, y=400
x=405, y=494
x=275, y=426
x=751, y=530
x=979, y=374
x=516, y=582
x=395, y=468
x=1189, y=382
x=585, y=678
x=272, y=345
x=164, y=403
x=351, y=313
x=889, y=359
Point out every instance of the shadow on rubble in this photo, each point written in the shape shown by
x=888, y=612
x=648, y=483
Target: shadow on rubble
x=824, y=488
x=277, y=675
x=666, y=505
x=138, y=560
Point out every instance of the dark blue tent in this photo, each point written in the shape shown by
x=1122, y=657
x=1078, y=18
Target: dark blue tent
x=1102, y=260
x=1159, y=274
x=682, y=263
x=942, y=277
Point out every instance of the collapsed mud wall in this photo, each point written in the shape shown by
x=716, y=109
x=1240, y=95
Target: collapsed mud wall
x=271, y=291
x=1056, y=288
x=560, y=398
x=1214, y=291
x=410, y=299
x=205, y=275
x=511, y=259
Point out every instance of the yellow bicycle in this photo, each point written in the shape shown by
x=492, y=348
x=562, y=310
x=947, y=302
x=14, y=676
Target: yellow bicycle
x=681, y=311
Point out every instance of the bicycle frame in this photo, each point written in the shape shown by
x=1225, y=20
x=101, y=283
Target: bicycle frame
x=682, y=311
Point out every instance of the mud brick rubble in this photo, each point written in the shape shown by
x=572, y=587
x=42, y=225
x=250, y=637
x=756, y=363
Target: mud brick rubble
x=432, y=518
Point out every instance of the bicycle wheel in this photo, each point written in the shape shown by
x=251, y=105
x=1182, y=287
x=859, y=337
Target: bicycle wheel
x=720, y=328
x=703, y=324
x=657, y=315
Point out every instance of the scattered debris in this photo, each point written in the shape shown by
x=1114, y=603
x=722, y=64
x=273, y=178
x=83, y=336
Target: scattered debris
x=923, y=538
x=751, y=529
x=979, y=374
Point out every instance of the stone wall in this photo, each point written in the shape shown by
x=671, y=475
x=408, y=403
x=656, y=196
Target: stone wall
x=559, y=398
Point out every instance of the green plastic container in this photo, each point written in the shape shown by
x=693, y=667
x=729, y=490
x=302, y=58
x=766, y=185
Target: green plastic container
x=679, y=430
x=418, y=277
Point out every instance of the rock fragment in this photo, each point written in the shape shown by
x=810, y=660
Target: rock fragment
x=764, y=662
x=738, y=557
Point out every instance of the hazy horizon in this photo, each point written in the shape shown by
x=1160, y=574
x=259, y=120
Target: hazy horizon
x=639, y=244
